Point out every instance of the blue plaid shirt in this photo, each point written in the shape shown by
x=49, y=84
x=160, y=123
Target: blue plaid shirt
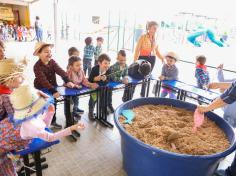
x=89, y=52
x=202, y=77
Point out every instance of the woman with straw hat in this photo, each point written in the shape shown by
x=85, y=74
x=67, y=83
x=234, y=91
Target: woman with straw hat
x=32, y=114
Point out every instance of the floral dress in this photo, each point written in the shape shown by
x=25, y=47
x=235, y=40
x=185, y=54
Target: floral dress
x=10, y=140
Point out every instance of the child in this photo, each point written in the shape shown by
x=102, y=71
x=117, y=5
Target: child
x=29, y=121
x=45, y=70
x=99, y=75
x=73, y=51
x=120, y=72
x=11, y=77
x=169, y=72
x=76, y=75
x=88, y=55
x=98, y=50
x=201, y=74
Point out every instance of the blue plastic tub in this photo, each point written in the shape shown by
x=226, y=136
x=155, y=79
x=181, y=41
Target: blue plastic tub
x=140, y=159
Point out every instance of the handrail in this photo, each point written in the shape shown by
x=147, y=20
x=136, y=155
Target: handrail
x=207, y=66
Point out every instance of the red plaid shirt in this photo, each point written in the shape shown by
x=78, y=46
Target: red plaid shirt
x=45, y=75
x=5, y=104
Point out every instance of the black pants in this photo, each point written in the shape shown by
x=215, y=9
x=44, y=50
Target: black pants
x=151, y=60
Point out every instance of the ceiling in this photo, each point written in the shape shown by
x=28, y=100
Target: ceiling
x=18, y=2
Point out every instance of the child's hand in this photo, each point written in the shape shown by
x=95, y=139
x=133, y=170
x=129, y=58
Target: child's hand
x=70, y=85
x=78, y=86
x=125, y=81
x=43, y=95
x=94, y=86
x=56, y=95
x=220, y=67
x=103, y=77
x=51, y=108
x=77, y=126
x=98, y=78
x=161, y=77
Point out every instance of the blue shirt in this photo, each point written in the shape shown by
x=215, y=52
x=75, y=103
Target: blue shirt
x=229, y=96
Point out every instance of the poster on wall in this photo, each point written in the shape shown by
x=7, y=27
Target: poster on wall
x=6, y=14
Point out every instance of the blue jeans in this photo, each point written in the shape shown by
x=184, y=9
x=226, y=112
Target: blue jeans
x=39, y=34
x=87, y=65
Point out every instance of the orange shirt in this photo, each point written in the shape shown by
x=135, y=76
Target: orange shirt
x=145, y=46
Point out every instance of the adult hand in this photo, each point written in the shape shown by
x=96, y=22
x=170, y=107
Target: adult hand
x=56, y=95
x=203, y=108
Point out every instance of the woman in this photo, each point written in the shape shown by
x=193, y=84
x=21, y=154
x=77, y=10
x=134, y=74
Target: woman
x=147, y=49
x=228, y=97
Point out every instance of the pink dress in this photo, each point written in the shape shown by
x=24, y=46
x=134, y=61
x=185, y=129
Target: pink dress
x=35, y=128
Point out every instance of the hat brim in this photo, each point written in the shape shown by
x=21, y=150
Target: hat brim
x=39, y=107
x=172, y=57
x=44, y=45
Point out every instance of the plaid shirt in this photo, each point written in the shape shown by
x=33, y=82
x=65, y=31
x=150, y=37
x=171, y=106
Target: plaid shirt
x=202, y=77
x=45, y=75
x=5, y=106
x=118, y=76
x=98, y=51
x=89, y=50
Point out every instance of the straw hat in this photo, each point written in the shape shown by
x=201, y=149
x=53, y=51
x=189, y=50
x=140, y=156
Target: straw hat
x=27, y=104
x=172, y=55
x=9, y=68
x=39, y=46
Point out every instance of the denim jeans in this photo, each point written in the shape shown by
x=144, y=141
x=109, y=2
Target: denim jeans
x=87, y=65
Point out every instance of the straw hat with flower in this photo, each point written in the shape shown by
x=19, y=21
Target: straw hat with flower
x=27, y=104
x=39, y=46
x=10, y=68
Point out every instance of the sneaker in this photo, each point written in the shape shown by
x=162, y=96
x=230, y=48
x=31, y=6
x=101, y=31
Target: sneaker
x=80, y=111
x=55, y=125
x=77, y=117
x=91, y=116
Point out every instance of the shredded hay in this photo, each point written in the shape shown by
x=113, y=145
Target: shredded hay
x=171, y=129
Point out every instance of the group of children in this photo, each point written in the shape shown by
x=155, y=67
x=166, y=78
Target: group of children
x=171, y=72
x=45, y=70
